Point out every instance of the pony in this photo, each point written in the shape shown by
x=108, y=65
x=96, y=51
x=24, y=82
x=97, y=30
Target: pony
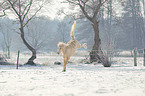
x=68, y=49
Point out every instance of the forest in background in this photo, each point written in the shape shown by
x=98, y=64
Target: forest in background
x=124, y=32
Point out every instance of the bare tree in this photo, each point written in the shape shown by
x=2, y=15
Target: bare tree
x=133, y=21
x=23, y=9
x=63, y=30
x=36, y=34
x=7, y=38
x=2, y=9
x=91, y=10
x=143, y=7
x=3, y=14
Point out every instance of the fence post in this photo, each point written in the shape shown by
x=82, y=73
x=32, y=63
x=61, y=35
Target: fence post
x=18, y=59
x=144, y=57
x=135, y=56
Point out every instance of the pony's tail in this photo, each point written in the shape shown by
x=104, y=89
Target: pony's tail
x=72, y=31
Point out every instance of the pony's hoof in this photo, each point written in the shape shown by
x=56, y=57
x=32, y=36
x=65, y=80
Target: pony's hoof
x=58, y=53
x=63, y=70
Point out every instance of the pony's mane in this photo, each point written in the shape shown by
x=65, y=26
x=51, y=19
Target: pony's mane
x=61, y=44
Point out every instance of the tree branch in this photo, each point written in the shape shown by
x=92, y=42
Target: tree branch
x=85, y=13
x=84, y=2
x=12, y=5
x=4, y=9
x=3, y=13
x=80, y=2
x=33, y=15
x=25, y=9
x=28, y=9
x=72, y=2
x=19, y=8
x=98, y=8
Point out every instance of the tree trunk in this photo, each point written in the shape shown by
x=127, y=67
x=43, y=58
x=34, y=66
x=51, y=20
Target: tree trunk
x=8, y=52
x=33, y=57
x=96, y=54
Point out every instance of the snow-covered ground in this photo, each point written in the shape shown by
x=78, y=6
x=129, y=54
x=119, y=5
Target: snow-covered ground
x=122, y=79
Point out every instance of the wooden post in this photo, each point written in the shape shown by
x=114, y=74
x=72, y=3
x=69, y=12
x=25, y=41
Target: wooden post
x=18, y=59
x=144, y=57
x=135, y=56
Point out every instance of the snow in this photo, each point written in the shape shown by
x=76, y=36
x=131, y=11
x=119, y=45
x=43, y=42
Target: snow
x=122, y=79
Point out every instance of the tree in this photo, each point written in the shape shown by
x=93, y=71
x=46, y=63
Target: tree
x=133, y=22
x=91, y=10
x=3, y=14
x=143, y=2
x=36, y=33
x=63, y=29
x=23, y=9
x=84, y=33
x=2, y=9
x=7, y=40
x=7, y=36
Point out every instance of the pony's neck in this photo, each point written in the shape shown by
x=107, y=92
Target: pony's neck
x=63, y=49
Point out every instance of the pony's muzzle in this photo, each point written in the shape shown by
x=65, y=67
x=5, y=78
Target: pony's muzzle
x=58, y=50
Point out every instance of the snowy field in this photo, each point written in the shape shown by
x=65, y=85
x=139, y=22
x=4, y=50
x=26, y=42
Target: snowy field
x=122, y=79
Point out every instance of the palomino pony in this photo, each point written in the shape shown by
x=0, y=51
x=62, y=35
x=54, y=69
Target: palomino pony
x=69, y=49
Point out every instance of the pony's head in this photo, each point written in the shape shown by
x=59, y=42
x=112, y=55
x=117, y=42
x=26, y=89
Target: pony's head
x=60, y=46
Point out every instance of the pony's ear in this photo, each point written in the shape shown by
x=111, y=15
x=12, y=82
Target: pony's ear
x=58, y=45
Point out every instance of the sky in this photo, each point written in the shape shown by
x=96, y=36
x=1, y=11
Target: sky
x=54, y=7
x=49, y=10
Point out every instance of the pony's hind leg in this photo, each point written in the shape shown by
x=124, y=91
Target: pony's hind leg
x=84, y=45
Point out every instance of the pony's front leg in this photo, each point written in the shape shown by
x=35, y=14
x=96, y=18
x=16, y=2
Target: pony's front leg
x=65, y=62
x=64, y=66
